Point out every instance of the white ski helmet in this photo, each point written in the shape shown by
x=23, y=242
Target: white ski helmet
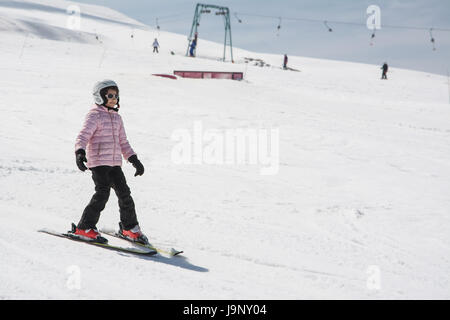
x=96, y=91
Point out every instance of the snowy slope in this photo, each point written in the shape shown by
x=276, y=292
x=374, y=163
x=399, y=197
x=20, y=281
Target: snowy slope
x=358, y=209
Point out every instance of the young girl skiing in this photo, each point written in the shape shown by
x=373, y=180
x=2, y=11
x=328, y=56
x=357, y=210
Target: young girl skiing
x=101, y=143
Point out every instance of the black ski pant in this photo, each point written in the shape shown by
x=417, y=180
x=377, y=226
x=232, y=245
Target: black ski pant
x=105, y=178
x=155, y=49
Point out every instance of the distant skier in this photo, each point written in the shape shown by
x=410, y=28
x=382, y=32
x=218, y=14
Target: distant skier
x=103, y=140
x=155, y=46
x=192, y=49
x=385, y=69
x=285, y=61
x=193, y=45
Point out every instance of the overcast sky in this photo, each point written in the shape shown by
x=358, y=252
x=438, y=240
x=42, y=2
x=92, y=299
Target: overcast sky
x=400, y=47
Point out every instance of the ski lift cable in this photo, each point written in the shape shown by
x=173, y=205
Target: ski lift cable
x=340, y=22
x=172, y=15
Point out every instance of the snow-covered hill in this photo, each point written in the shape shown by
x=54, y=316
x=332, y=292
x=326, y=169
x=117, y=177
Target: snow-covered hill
x=358, y=206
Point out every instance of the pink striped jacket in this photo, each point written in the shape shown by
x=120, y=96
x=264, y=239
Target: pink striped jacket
x=103, y=138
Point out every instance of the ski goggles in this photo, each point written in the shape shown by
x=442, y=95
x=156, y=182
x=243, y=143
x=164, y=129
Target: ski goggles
x=110, y=96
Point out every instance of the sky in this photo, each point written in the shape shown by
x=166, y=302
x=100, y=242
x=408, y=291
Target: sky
x=350, y=41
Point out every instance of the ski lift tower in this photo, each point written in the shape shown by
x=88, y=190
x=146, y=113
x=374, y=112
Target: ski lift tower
x=220, y=11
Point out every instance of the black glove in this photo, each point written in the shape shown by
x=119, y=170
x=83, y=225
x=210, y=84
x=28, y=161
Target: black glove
x=137, y=164
x=80, y=155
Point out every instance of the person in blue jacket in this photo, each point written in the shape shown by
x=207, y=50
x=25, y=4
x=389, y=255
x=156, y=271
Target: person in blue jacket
x=192, y=49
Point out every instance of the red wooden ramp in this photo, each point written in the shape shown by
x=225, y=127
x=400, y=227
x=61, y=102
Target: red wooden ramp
x=210, y=74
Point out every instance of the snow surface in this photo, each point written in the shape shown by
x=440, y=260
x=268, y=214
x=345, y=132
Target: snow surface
x=358, y=209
